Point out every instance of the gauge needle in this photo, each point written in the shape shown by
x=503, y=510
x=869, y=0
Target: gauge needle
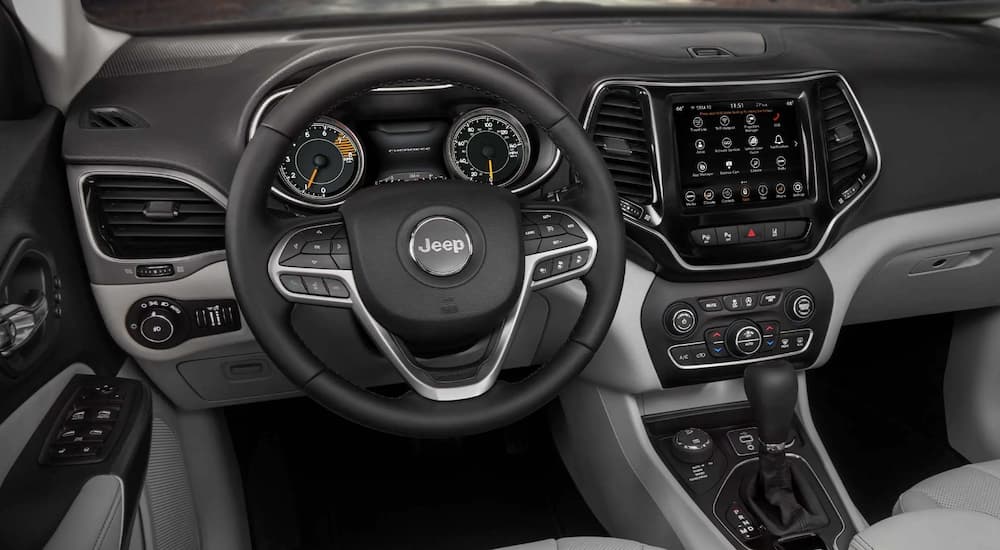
x=491, y=169
x=312, y=177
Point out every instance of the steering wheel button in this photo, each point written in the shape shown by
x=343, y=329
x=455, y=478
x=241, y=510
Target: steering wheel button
x=572, y=227
x=560, y=265
x=543, y=218
x=530, y=232
x=579, y=259
x=293, y=283
x=551, y=229
x=317, y=247
x=343, y=261
x=531, y=247
x=339, y=246
x=561, y=241
x=337, y=288
x=315, y=286
x=294, y=247
x=542, y=271
x=313, y=261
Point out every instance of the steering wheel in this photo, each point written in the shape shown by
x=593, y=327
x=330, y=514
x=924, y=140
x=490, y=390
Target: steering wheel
x=438, y=273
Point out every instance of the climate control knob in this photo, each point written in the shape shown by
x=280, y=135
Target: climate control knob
x=743, y=338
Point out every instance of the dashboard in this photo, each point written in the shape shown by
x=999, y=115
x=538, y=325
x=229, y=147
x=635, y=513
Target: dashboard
x=777, y=171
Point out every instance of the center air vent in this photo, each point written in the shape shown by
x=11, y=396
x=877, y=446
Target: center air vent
x=153, y=217
x=619, y=131
x=847, y=154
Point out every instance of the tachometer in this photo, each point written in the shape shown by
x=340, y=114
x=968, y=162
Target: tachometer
x=488, y=145
x=324, y=163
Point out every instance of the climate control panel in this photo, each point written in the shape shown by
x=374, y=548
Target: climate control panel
x=706, y=331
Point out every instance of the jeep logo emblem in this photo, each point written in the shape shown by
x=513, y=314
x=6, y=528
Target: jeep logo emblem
x=440, y=246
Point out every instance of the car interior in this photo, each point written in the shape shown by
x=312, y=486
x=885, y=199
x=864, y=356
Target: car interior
x=518, y=274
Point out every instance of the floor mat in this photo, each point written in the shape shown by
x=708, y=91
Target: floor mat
x=879, y=409
x=314, y=481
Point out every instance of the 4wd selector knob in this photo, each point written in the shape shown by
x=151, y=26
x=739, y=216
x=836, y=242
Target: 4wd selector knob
x=693, y=446
x=743, y=338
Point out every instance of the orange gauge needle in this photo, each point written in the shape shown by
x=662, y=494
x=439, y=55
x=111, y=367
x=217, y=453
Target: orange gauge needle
x=491, y=169
x=312, y=177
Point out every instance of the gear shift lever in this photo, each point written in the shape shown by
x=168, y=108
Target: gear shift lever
x=772, y=391
x=782, y=494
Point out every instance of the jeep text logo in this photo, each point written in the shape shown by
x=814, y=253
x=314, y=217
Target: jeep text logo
x=456, y=246
x=440, y=246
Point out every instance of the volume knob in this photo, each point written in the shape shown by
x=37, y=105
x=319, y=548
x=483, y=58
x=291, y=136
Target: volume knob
x=743, y=338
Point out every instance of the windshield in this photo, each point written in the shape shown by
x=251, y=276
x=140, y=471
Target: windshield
x=153, y=15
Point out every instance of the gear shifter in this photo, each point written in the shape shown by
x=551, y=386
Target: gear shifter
x=782, y=494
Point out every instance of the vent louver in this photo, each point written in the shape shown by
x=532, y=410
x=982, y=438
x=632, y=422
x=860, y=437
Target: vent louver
x=847, y=155
x=153, y=217
x=619, y=131
x=111, y=118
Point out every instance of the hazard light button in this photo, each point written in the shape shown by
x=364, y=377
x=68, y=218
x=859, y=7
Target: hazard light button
x=751, y=233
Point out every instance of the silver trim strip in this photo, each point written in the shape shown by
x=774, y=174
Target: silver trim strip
x=106, y=269
x=489, y=368
x=715, y=503
x=805, y=77
x=741, y=361
x=272, y=98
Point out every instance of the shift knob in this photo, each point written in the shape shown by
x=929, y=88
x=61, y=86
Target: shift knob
x=772, y=390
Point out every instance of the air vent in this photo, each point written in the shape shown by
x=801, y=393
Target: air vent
x=153, y=217
x=619, y=131
x=847, y=155
x=111, y=118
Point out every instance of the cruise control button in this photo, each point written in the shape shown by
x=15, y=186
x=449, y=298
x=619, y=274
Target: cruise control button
x=343, y=261
x=579, y=259
x=542, y=271
x=561, y=241
x=293, y=283
x=560, y=265
x=551, y=230
x=311, y=261
x=529, y=232
x=336, y=288
x=572, y=227
x=315, y=286
x=317, y=247
x=706, y=236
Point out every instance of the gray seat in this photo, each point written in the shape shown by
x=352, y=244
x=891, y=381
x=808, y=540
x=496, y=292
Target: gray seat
x=957, y=509
x=583, y=543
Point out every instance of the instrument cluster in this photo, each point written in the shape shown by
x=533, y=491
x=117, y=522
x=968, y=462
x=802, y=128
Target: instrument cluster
x=481, y=144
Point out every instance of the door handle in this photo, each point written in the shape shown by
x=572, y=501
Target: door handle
x=18, y=323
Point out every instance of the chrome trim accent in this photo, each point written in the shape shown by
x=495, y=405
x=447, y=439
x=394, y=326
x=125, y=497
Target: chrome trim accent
x=106, y=269
x=489, y=368
x=456, y=125
x=738, y=362
x=600, y=87
x=413, y=253
x=715, y=502
x=272, y=98
x=775, y=447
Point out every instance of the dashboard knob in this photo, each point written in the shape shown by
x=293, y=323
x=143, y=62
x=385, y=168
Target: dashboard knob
x=156, y=326
x=680, y=319
x=799, y=305
x=693, y=446
x=743, y=338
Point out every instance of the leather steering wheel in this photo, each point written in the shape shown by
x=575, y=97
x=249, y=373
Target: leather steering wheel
x=436, y=272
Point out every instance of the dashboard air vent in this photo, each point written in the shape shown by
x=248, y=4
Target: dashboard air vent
x=153, y=217
x=111, y=118
x=619, y=131
x=847, y=155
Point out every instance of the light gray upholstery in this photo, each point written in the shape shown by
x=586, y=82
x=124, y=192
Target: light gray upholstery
x=583, y=543
x=931, y=530
x=95, y=519
x=975, y=488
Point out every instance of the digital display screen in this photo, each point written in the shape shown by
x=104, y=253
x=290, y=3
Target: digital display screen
x=739, y=152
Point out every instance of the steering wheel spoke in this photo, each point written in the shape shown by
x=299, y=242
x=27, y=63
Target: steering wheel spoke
x=312, y=265
x=558, y=246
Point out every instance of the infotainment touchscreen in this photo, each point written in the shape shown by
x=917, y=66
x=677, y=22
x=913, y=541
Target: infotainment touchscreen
x=741, y=151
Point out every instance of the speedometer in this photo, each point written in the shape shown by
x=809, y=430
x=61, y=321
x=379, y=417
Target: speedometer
x=488, y=145
x=323, y=164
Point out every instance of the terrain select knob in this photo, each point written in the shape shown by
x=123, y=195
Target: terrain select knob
x=743, y=338
x=156, y=326
x=693, y=446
